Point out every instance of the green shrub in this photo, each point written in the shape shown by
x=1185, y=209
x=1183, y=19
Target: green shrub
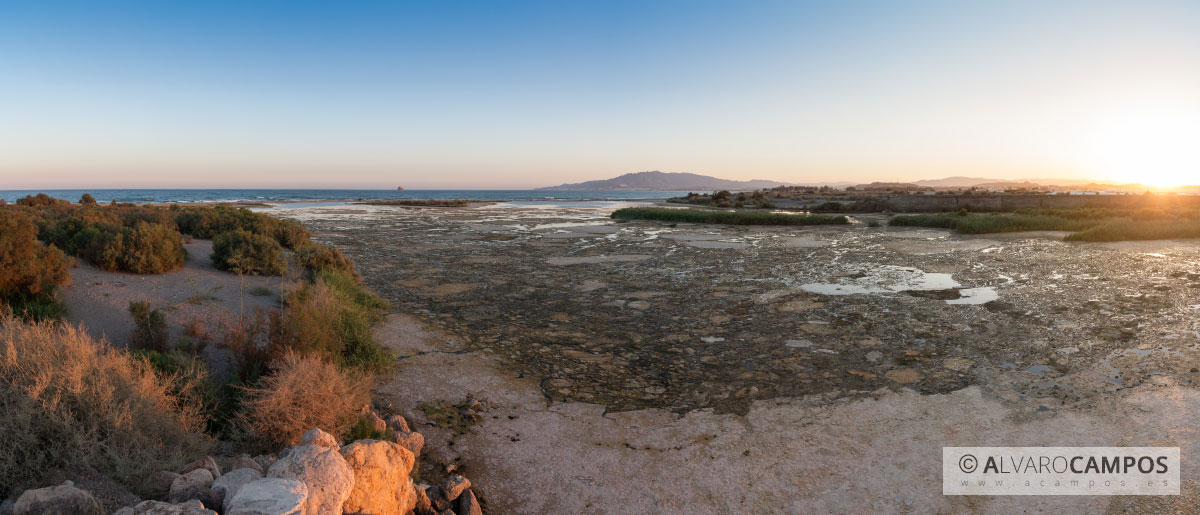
x=208, y=222
x=39, y=200
x=148, y=248
x=87, y=199
x=364, y=429
x=315, y=258
x=29, y=270
x=244, y=252
x=332, y=316
x=724, y=217
x=149, y=327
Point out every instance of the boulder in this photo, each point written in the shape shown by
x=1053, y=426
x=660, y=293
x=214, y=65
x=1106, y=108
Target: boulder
x=192, y=507
x=423, y=505
x=323, y=470
x=246, y=462
x=382, y=485
x=316, y=436
x=468, y=504
x=270, y=496
x=398, y=424
x=63, y=499
x=411, y=440
x=227, y=485
x=207, y=463
x=454, y=486
x=196, y=484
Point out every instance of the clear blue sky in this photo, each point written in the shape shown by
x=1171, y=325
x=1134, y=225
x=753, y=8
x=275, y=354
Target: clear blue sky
x=519, y=94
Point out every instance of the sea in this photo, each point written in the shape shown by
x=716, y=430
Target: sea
x=141, y=196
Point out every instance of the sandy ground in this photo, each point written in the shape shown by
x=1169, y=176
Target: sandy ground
x=876, y=455
x=100, y=300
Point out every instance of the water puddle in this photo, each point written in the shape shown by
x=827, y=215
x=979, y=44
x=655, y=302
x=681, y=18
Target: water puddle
x=896, y=279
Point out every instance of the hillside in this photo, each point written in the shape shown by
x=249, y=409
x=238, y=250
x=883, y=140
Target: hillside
x=667, y=181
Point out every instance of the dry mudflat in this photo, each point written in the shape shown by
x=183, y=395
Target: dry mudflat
x=639, y=367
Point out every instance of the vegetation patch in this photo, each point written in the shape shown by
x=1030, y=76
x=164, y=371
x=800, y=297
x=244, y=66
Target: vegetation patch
x=93, y=405
x=1085, y=224
x=303, y=392
x=243, y=252
x=29, y=271
x=706, y=216
x=332, y=316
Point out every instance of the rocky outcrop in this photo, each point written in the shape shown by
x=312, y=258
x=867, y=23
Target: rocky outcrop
x=63, y=499
x=192, y=507
x=270, y=496
x=227, y=486
x=325, y=473
x=382, y=485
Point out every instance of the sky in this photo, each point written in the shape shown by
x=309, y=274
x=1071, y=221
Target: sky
x=456, y=94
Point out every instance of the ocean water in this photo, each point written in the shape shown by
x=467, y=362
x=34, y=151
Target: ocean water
x=272, y=195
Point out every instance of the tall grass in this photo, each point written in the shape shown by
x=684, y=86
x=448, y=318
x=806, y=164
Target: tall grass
x=1123, y=230
x=71, y=401
x=1085, y=224
x=710, y=216
x=992, y=223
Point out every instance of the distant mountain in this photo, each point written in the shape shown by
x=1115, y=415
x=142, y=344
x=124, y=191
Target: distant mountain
x=669, y=182
x=967, y=182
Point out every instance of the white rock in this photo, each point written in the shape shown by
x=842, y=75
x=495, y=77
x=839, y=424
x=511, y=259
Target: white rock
x=270, y=496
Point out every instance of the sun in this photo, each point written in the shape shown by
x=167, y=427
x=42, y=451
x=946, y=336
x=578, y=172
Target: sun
x=1156, y=146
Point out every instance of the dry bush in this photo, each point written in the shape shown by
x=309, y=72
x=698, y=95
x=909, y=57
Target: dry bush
x=305, y=391
x=71, y=401
x=195, y=329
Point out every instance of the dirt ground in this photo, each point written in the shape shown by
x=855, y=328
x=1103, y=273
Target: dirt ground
x=99, y=300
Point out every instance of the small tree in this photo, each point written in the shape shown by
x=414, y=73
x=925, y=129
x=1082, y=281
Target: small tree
x=87, y=199
x=150, y=327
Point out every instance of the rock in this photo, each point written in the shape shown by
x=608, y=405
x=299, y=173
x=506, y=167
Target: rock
x=439, y=502
x=246, y=462
x=265, y=462
x=192, y=507
x=63, y=499
x=411, y=440
x=468, y=504
x=958, y=364
x=270, y=496
x=382, y=485
x=903, y=375
x=316, y=436
x=323, y=470
x=160, y=483
x=227, y=485
x=196, y=484
x=376, y=423
x=454, y=486
x=207, y=463
x=423, y=505
x=398, y=424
